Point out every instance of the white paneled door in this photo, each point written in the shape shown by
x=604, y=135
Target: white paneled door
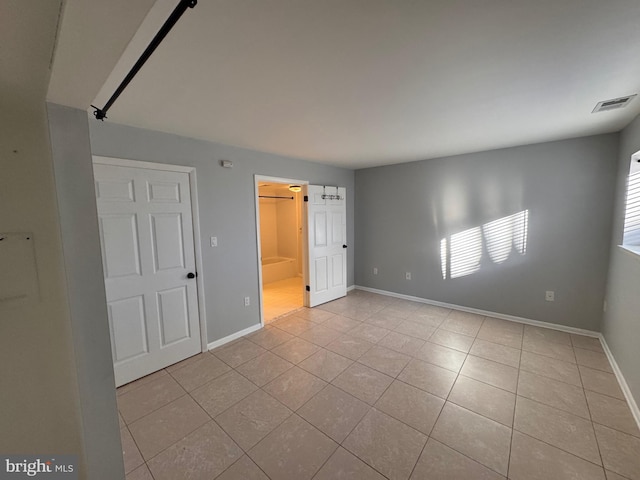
x=146, y=231
x=327, y=238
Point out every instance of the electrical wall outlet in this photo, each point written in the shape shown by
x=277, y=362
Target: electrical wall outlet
x=550, y=296
x=407, y=275
x=214, y=241
x=247, y=301
x=375, y=270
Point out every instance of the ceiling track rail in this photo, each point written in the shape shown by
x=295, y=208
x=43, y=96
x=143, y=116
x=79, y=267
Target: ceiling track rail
x=101, y=113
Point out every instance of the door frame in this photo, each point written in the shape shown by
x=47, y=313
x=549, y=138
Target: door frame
x=191, y=171
x=305, y=267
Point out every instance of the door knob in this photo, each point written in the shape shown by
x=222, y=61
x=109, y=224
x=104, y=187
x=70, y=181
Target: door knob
x=344, y=246
x=191, y=275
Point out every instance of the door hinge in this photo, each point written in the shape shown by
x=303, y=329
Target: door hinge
x=306, y=198
x=308, y=288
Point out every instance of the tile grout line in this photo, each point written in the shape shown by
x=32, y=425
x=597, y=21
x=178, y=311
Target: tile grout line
x=438, y=416
x=515, y=403
x=394, y=378
x=593, y=429
x=469, y=410
x=558, y=448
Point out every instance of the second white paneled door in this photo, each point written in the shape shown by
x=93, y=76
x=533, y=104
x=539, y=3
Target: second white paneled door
x=327, y=238
x=146, y=231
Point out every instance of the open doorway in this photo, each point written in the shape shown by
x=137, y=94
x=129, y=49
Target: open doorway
x=281, y=245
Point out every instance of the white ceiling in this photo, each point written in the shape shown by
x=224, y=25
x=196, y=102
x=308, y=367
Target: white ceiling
x=62, y=51
x=358, y=83
x=27, y=36
x=92, y=38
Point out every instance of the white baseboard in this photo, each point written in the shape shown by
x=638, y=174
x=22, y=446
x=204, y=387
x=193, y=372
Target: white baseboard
x=352, y=287
x=502, y=316
x=233, y=336
x=633, y=406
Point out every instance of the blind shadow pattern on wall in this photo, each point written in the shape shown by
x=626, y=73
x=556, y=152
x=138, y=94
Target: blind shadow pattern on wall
x=462, y=253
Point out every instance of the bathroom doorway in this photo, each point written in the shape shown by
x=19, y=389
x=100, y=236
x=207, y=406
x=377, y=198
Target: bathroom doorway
x=279, y=212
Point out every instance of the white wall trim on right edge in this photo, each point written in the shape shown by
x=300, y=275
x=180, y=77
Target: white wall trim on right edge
x=633, y=406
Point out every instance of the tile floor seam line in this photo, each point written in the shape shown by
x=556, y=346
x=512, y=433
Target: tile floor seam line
x=491, y=385
x=148, y=469
x=553, y=378
x=313, y=396
x=462, y=453
x=137, y=446
x=417, y=388
x=232, y=464
x=343, y=390
x=360, y=458
x=331, y=439
x=402, y=421
x=422, y=451
x=606, y=394
x=440, y=366
x=498, y=343
x=227, y=364
x=447, y=400
x=592, y=425
x=473, y=411
x=584, y=392
x=444, y=405
x=139, y=385
x=467, y=456
x=245, y=452
x=591, y=422
x=186, y=435
x=156, y=409
x=549, y=356
x=205, y=411
x=636, y=435
x=328, y=458
x=394, y=378
x=147, y=383
x=260, y=386
x=558, y=448
x=513, y=418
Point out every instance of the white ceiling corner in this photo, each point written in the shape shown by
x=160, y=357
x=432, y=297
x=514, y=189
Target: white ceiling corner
x=92, y=37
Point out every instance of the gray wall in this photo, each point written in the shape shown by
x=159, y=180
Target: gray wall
x=73, y=171
x=227, y=210
x=47, y=346
x=621, y=327
x=403, y=211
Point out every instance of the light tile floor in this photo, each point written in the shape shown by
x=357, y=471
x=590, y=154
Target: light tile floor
x=282, y=297
x=371, y=387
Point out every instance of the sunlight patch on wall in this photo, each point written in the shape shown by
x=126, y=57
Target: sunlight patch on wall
x=466, y=252
x=462, y=252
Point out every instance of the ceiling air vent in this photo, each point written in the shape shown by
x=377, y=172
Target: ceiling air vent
x=613, y=104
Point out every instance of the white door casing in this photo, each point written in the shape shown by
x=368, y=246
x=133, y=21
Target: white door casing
x=327, y=243
x=147, y=241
